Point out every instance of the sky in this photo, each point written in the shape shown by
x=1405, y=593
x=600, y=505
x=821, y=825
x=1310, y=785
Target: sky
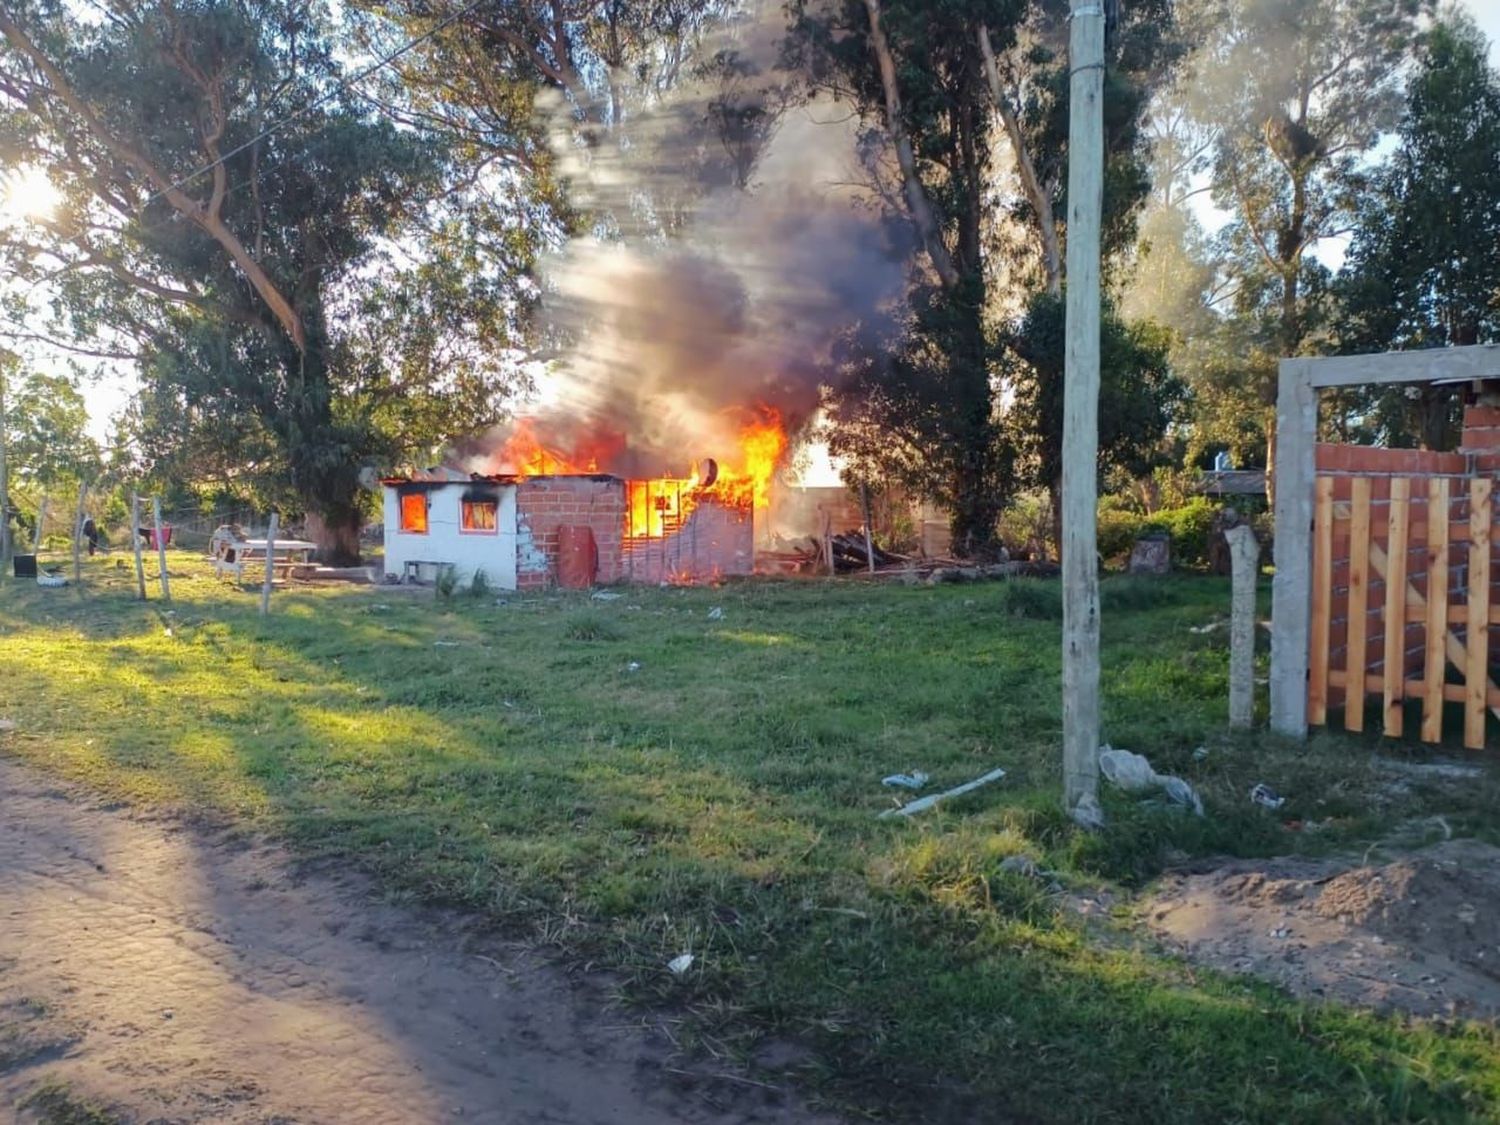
x=112, y=390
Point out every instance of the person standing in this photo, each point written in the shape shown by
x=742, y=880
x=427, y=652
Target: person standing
x=91, y=533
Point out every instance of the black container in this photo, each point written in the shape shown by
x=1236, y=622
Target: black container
x=25, y=566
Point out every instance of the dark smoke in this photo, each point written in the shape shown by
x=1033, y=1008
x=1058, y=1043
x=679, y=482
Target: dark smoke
x=738, y=242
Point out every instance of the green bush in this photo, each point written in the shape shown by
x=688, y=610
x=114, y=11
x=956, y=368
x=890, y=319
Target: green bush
x=1117, y=531
x=1190, y=527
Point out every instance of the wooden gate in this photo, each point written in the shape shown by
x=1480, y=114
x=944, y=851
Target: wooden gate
x=1403, y=600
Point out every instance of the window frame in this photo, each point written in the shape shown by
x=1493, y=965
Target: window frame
x=463, y=509
x=401, y=500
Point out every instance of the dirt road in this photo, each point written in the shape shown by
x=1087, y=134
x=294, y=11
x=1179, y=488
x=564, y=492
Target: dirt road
x=177, y=976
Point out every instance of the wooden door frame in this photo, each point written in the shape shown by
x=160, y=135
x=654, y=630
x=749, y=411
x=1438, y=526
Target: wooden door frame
x=1299, y=381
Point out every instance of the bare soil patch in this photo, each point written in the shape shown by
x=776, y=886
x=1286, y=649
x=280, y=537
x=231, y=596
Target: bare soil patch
x=178, y=976
x=1419, y=934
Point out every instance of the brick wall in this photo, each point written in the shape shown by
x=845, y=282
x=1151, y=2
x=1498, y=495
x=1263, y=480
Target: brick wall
x=544, y=504
x=1480, y=452
x=714, y=540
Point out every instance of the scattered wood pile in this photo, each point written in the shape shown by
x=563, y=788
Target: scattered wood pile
x=850, y=554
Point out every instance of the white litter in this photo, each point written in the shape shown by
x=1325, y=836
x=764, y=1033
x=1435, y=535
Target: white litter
x=633, y=666
x=914, y=780
x=716, y=614
x=1133, y=773
x=1264, y=795
x=924, y=803
x=606, y=596
x=680, y=964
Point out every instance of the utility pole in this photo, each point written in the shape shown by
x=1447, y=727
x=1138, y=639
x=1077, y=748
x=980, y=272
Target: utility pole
x=1080, y=485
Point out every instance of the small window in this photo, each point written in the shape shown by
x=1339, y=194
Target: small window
x=480, y=516
x=414, y=512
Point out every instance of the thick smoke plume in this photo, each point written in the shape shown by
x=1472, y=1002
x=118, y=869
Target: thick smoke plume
x=736, y=241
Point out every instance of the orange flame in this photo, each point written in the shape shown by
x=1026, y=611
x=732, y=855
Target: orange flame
x=659, y=506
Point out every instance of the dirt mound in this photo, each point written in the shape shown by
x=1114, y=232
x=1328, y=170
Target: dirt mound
x=1418, y=934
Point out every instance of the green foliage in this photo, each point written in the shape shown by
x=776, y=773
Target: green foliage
x=1190, y=527
x=268, y=353
x=1139, y=397
x=479, y=585
x=1285, y=98
x=445, y=585
x=1034, y=601
x=590, y=625
x=46, y=428
x=1412, y=278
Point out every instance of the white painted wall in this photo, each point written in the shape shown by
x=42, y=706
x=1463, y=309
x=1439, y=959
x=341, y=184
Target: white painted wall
x=445, y=542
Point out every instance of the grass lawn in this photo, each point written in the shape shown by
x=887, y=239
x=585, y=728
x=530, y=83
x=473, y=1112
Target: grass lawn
x=630, y=780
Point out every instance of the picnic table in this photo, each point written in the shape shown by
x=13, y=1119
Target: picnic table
x=233, y=556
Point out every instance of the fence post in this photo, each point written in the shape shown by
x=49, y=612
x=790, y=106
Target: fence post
x=135, y=543
x=265, y=590
x=1244, y=557
x=161, y=549
x=864, y=496
x=83, y=491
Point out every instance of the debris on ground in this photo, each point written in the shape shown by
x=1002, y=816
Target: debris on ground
x=921, y=804
x=1420, y=934
x=1267, y=797
x=914, y=780
x=680, y=964
x=633, y=666
x=1133, y=774
x=1209, y=628
x=7, y=725
x=716, y=614
x=606, y=595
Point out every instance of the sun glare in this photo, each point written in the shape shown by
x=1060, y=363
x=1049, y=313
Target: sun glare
x=27, y=193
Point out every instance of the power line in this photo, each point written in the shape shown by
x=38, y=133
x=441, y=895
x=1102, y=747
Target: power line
x=409, y=45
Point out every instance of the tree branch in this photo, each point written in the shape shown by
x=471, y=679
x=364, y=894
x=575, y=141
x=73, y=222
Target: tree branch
x=916, y=197
x=211, y=223
x=1041, y=201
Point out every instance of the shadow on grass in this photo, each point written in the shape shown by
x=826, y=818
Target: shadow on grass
x=659, y=782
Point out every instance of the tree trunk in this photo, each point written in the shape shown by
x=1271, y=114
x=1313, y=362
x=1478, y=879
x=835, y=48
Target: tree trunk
x=5, y=543
x=335, y=529
x=1037, y=195
x=977, y=492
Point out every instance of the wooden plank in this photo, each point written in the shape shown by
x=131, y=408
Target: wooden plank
x=1437, y=611
x=1322, y=602
x=1477, y=665
x=1457, y=614
x=1295, y=469
x=1393, y=691
x=1417, y=604
x=1452, y=693
x=1356, y=654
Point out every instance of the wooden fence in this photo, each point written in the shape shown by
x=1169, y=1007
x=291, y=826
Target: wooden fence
x=1402, y=591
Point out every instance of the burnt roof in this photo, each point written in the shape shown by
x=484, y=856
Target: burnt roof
x=442, y=476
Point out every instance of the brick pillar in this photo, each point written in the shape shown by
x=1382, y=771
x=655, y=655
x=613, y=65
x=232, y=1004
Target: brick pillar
x=1481, y=430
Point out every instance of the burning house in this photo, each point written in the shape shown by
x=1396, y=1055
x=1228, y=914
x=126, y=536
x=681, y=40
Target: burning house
x=540, y=517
